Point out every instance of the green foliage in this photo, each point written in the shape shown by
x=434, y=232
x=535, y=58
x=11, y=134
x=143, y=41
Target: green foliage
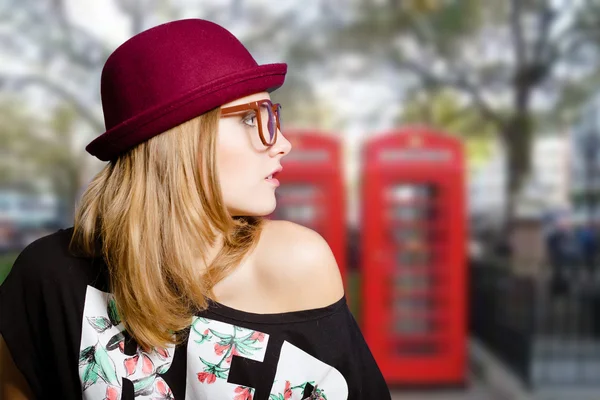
x=6, y=263
x=41, y=148
x=443, y=109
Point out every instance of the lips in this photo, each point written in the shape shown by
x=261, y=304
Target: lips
x=274, y=173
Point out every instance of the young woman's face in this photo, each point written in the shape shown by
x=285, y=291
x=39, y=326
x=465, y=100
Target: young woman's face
x=244, y=162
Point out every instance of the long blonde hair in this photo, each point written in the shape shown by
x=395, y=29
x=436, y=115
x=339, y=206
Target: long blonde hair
x=156, y=210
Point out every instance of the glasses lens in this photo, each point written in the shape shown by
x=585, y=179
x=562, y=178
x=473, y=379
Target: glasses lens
x=278, y=115
x=268, y=123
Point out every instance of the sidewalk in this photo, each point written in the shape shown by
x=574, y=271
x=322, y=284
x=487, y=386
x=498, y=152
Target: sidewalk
x=477, y=390
x=490, y=379
x=504, y=383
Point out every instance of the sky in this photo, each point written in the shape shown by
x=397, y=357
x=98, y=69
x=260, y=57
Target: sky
x=93, y=16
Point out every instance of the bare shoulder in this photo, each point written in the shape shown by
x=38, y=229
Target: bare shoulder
x=296, y=265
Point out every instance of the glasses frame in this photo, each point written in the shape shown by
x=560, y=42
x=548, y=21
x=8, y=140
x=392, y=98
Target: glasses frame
x=256, y=106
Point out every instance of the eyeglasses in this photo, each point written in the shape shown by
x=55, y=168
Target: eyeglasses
x=265, y=112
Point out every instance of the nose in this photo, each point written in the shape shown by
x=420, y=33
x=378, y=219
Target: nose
x=281, y=146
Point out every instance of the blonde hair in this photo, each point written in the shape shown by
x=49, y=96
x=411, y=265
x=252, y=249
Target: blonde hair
x=156, y=210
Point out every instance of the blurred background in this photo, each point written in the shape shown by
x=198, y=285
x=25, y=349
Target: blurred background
x=446, y=149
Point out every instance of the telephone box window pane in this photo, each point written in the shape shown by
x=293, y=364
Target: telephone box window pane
x=414, y=304
x=299, y=213
x=404, y=234
x=418, y=349
x=409, y=281
x=301, y=203
x=416, y=238
x=298, y=191
x=413, y=326
x=410, y=258
x=411, y=213
x=406, y=192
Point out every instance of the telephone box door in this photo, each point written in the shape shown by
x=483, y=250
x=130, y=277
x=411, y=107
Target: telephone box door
x=414, y=257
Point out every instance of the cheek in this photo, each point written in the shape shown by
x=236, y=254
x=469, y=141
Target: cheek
x=236, y=161
x=241, y=166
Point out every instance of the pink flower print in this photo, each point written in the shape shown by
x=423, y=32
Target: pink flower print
x=206, y=332
x=112, y=393
x=207, y=377
x=163, y=353
x=234, y=352
x=163, y=389
x=287, y=393
x=244, y=393
x=131, y=364
x=258, y=336
x=122, y=346
x=220, y=349
x=147, y=365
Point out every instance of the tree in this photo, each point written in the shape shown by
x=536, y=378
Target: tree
x=485, y=50
x=15, y=123
x=43, y=151
x=64, y=60
x=444, y=110
x=61, y=61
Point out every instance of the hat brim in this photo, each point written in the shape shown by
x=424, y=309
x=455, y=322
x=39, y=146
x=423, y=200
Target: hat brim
x=158, y=119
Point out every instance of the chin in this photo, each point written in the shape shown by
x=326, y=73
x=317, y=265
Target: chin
x=257, y=210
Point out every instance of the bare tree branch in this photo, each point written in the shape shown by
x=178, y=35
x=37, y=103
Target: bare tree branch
x=137, y=11
x=517, y=31
x=546, y=17
x=19, y=82
x=74, y=43
x=461, y=83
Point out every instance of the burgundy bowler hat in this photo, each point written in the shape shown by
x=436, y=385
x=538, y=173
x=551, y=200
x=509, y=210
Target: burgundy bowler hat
x=170, y=74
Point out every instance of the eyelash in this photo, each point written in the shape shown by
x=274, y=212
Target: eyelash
x=249, y=117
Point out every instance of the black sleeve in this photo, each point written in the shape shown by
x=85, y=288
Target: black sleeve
x=368, y=382
x=21, y=320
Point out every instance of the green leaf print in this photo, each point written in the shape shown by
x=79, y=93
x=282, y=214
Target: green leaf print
x=163, y=368
x=245, y=348
x=276, y=397
x=106, y=365
x=221, y=374
x=226, y=338
x=112, y=312
x=215, y=369
x=144, y=386
x=113, y=343
x=208, y=364
x=86, y=355
x=203, y=337
x=90, y=375
x=248, y=336
x=100, y=324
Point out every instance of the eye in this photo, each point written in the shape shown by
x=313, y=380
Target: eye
x=250, y=119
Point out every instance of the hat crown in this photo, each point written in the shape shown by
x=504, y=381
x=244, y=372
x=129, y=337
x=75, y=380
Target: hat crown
x=165, y=63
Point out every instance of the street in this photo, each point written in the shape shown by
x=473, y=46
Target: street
x=489, y=379
x=477, y=390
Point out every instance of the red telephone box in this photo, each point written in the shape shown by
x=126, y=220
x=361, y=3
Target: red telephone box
x=414, y=256
x=312, y=189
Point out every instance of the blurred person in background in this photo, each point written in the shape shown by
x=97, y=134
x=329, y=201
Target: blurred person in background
x=588, y=243
x=563, y=251
x=171, y=283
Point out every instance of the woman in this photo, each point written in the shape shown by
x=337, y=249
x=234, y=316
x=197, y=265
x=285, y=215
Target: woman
x=170, y=284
